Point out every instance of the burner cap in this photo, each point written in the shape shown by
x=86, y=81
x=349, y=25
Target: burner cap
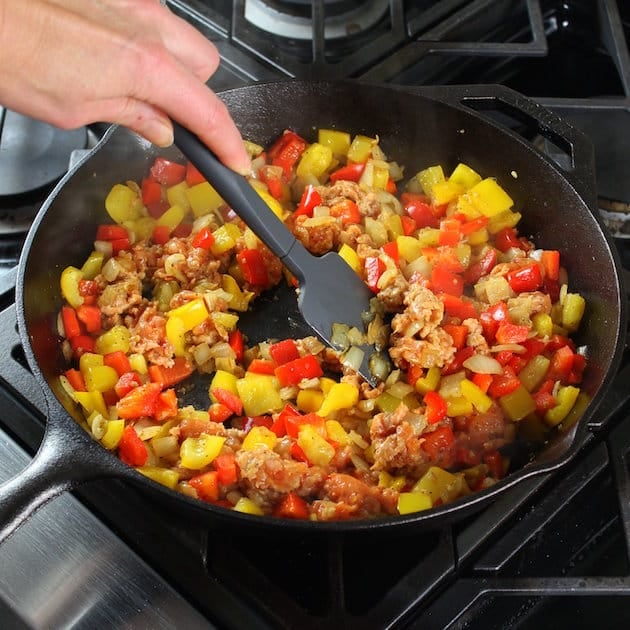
x=292, y=18
x=33, y=154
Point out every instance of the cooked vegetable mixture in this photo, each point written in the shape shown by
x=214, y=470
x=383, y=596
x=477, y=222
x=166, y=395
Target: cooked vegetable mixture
x=476, y=321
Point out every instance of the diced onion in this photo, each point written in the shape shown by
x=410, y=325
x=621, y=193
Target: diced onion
x=357, y=439
x=483, y=364
x=353, y=358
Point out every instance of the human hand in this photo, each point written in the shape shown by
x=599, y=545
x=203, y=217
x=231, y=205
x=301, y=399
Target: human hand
x=131, y=62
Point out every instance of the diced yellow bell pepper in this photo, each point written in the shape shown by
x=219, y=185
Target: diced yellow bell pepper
x=259, y=393
x=409, y=247
x=203, y=199
x=163, y=476
x=92, y=401
x=223, y=380
x=361, y=148
x=458, y=406
x=176, y=335
x=410, y=502
x=482, y=402
x=69, y=282
x=465, y=176
x=318, y=451
x=572, y=310
x=506, y=219
x=394, y=226
x=428, y=237
x=309, y=400
x=565, y=399
x=100, y=378
x=479, y=237
x=259, y=436
x=336, y=432
x=429, y=177
x=272, y=202
x=429, y=382
x=517, y=404
x=224, y=238
x=385, y=480
x=240, y=299
x=315, y=161
x=90, y=359
x=350, y=256
x=176, y=195
x=113, y=433
x=191, y=313
x=123, y=203
x=489, y=197
x=247, y=506
x=197, y=453
x=532, y=375
x=375, y=175
x=116, y=338
x=93, y=265
x=543, y=324
x=172, y=217
x=445, y=192
x=325, y=383
x=438, y=483
x=340, y=396
x=142, y=227
x=337, y=141
x=138, y=363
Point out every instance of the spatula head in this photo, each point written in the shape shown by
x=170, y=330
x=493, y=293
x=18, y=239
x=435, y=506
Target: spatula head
x=332, y=294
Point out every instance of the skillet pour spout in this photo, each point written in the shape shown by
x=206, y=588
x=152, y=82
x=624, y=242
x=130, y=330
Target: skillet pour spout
x=420, y=127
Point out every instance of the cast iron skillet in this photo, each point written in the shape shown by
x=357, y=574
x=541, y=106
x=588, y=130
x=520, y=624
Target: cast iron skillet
x=418, y=128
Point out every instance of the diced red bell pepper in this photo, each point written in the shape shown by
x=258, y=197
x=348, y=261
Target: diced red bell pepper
x=182, y=230
x=207, y=485
x=507, y=238
x=293, y=422
x=219, y=412
x=82, y=344
x=274, y=181
x=161, y=234
x=292, y=506
x=533, y=347
x=237, y=343
x=286, y=151
x=166, y=172
x=458, y=360
x=126, y=382
x=284, y=351
x=251, y=262
x=491, y=318
x=435, y=407
x=166, y=406
x=544, y=398
x=131, y=449
x=151, y=191
x=445, y=281
x=457, y=307
x=120, y=245
x=350, y=172
x=169, y=376
x=228, y=398
x=193, y=175
x=308, y=202
x=111, y=232
x=374, y=268
x=75, y=378
x=458, y=333
x=70, y=321
x=511, y=333
x=443, y=257
x=474, y=225
x=409, y=225
x=117, y=360
x=297, y=453
x=481, y=267
x=550, y=261
x=88, y=289
x=391, y=249
x=226, y=467
x=346, y=210
x=482, y=381
x=420, y=210
x=525, y=279
x=261, y=366
x=505, y=383
x=450, y=232
x=139, y=402
x=293, y=372
x=204, y=238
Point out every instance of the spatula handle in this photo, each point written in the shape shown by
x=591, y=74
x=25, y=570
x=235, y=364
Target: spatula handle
x=242, y=198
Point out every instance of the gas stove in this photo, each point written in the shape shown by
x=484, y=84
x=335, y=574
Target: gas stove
x=551, y=551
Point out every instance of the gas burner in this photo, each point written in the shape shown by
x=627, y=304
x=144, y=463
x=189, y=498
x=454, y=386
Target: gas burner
x=294, y=18
x=33, y=154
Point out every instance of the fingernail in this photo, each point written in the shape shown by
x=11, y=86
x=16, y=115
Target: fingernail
x=162, y=133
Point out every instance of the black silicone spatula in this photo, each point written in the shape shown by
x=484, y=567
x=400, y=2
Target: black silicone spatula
x=330, y=292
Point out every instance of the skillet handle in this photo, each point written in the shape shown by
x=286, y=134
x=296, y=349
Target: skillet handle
x=66, y=458
x=570, y=149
